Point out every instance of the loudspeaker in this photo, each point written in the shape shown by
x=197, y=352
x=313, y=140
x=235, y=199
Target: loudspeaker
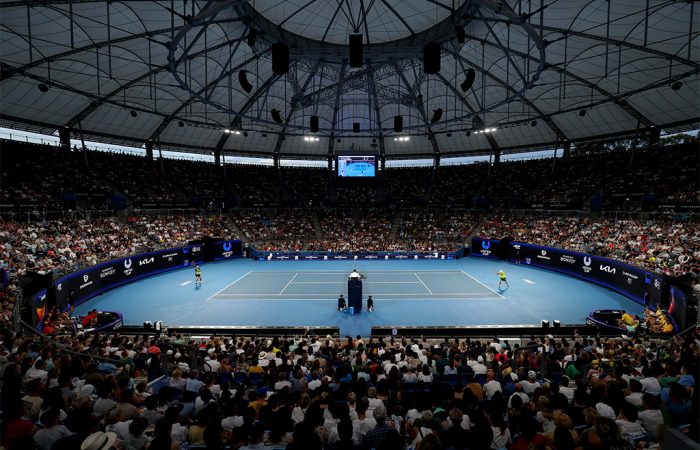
x=252, y=36
x=469, y=77
x=313, y=124
x=280, y=58
x=437, y=115
x=64, y=136
x=431, y=58
x=557, y=323
x=243, y=81
x=276, y=116
x=356, y=127
x=545, y=324
x=356, y=50
x=398, y=124
x=459, y=32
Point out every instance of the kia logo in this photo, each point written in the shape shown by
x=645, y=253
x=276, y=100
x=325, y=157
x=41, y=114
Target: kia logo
x=228, y=246
x=486, y=245
x=587, y=260
x=85, y=278
x=127, y=263
x=608, y=269
x=143, y=262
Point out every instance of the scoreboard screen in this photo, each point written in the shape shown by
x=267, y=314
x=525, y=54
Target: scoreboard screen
x=356, y=166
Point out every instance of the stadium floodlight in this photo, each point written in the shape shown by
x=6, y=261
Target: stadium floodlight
x=402, y=139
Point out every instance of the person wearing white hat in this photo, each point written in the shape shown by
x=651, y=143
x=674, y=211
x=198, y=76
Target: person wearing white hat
x=99, y=441
x=605, y=410
x=479, y=368
x=530, y=384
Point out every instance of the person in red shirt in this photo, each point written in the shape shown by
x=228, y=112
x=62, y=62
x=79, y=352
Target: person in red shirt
x=90, y=319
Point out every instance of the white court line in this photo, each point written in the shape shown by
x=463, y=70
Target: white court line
x=499, y=295
x=424, y=285
x=265, y=272
x=328, y=298
x=456, y=294
x=364, y=282
x=210, y=298
x=185, y=283
x=287, y=285
x=528, y=281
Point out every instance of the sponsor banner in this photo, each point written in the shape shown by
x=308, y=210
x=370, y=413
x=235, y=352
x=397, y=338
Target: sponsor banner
x=89, y=282
x=227, y=249
x=485, y=247
x=320, y=256
x=631, y=281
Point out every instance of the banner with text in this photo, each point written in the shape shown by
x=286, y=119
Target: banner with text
x=85, y=284
x=638, y=284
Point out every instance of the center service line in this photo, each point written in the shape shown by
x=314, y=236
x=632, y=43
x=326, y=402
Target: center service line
x=287, y=285
x=426, y=287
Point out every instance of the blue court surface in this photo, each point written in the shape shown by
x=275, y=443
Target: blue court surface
x=406, y=293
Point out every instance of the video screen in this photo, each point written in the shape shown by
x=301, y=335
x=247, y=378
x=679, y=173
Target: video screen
x=356, y=166
x=678, y=305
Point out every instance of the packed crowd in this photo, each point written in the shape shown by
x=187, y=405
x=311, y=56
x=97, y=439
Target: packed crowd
x=284, y=229
x=311, y=393
x=34, y=175
x=350, y=231
x=66, y=245
x=49, y=177
x=432, y=231
x=665, y=245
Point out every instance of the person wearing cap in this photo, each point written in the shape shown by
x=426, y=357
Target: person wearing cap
x=478, y=366
x=502, y=278
x=531, y=383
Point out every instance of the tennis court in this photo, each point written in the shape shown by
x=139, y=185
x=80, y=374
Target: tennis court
x=312, y=285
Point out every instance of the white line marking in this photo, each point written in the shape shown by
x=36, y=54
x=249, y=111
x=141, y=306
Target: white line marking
x=424, y=285
x=364, y=282
x=185, y=283
x=456, y=294
x=499, y=295
x=222, y=290
x=348, y=272
x=327, y=298
x=528, y=281
x=287, y=285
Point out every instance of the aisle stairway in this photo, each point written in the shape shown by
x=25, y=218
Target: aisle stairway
x=395, y=226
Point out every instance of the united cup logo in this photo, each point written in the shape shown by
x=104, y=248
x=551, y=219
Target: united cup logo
x=227, y=249
x=486, y=245
x=127, y=267
x=587, y=264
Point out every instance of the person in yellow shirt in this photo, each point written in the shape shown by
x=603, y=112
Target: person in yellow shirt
x=629, y=321
x=502, y=278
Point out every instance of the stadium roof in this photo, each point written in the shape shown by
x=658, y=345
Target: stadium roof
x=175, y=72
